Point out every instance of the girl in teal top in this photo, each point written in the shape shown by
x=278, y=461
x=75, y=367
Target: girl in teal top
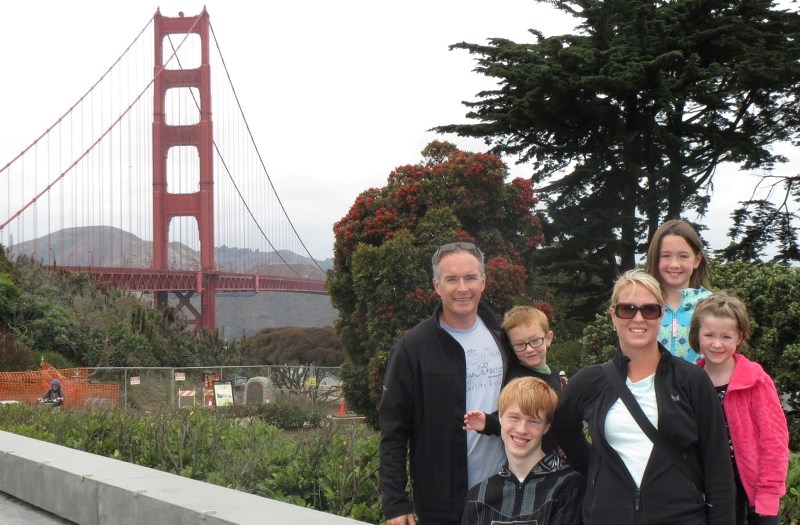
x=674, y=331
x=676, y=259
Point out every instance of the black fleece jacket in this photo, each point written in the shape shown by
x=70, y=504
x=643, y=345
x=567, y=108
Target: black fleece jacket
x=689, y=417
x=422, y=414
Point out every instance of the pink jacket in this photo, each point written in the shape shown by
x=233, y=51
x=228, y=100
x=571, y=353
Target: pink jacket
x=759, y=434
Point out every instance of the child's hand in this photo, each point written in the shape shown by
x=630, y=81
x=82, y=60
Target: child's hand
x=475, y=420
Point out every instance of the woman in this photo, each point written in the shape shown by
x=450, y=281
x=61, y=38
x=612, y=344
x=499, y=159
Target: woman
x=686, y=477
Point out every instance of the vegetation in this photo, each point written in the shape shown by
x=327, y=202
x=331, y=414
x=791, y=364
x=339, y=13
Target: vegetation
x=626, y=121
x=69, y=321
x=293, y=346
x=63, y=314
x=331, y=469
x=790, y=504
x=381, y=280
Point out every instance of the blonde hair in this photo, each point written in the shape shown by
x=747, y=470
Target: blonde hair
x=525, y=316
x=533, y=396
x=637, y=278
x=701, y=276
x=722, y=305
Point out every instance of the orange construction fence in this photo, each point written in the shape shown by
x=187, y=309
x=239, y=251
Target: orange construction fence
x=79, y=391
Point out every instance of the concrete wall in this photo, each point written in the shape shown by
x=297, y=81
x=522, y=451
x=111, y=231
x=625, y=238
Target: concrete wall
x=93, y=490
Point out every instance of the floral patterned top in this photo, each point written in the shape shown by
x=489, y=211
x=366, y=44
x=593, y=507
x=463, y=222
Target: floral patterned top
x=674, y=331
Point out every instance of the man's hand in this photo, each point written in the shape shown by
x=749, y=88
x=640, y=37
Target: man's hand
x=407, y=519
x=475, y=420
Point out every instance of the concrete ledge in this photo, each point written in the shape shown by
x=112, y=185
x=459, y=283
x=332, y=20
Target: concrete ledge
x=92, y=490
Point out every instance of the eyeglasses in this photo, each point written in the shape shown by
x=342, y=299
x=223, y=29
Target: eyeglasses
x=628, y=310
x=533, y=343
x=454, y=246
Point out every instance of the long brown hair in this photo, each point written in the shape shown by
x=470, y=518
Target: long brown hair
x=701, y=276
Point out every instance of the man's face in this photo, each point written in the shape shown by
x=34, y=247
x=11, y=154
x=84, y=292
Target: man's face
x=460, y=285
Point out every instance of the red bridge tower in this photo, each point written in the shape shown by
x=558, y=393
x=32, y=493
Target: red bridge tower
x=200, y=204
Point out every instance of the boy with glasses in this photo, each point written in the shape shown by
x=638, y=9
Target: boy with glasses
x=528, y=332
x=452, y=360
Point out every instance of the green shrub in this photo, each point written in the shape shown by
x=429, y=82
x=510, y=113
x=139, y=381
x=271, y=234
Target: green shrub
x=335, y=470
x=331, y=469
x=283, y=414
x=790, y=504
x=292, y=417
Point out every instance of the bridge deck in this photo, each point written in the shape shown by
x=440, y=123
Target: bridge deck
x=154, y=280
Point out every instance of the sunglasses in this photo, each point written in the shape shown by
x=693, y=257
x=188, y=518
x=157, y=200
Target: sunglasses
x=454, y=246
x=628, y=310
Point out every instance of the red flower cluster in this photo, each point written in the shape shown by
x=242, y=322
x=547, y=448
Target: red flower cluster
x=504, y=282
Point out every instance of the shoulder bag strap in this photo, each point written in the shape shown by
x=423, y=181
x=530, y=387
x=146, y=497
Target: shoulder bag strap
x=647, y=427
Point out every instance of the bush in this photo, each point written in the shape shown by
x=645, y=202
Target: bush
x=790, y=504
x=329, y=469
x=287, y=414
x=292, y=417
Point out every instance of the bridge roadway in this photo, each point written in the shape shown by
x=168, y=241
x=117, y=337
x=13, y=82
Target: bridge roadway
x=155, y=280
x=17, y=512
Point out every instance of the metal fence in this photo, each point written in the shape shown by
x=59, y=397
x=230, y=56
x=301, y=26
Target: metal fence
x=150, y=388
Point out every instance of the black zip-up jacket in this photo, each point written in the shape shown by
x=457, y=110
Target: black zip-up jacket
x=551, y=494
x=689, y=417
x=422, y=414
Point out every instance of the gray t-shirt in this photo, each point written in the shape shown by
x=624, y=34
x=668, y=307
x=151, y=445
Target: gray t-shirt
x=485, y=454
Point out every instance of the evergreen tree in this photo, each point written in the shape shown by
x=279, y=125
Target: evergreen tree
x=759, y=223
x=626, y=121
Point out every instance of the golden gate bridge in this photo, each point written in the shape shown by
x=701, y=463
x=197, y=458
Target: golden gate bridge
x=137, y=185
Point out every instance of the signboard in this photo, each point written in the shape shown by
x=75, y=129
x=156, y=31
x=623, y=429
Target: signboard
x=208, y=388
x=180, y=376
x=223, y=393
x=135, y=380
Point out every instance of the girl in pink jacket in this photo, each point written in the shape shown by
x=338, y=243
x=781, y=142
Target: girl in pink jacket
x=756, y=423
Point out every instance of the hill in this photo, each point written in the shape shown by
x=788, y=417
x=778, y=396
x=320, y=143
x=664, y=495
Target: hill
x=110, y=246
x=237, y=314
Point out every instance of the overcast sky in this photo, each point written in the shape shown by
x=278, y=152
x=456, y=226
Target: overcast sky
x=337, y=94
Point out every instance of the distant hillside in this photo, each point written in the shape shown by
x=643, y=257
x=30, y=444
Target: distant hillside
x=237, y=314
x=109, y=246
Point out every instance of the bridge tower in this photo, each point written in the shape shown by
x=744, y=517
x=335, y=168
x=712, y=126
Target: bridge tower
x=200, y=204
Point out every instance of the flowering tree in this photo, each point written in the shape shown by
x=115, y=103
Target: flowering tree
x=381, y=279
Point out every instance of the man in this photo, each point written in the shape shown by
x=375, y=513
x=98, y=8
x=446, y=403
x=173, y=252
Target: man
x=451, y=361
